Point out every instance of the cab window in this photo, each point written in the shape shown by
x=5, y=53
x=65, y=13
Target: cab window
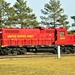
x=62, y=33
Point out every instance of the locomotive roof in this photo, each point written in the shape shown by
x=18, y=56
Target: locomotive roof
x=40, y=27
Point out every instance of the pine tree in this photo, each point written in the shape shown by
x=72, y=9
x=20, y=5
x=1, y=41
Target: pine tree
x=4, y=6
x=73, y=17
x=54, y=15
x=24, y=16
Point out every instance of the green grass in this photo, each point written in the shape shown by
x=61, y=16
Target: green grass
x=38, y=66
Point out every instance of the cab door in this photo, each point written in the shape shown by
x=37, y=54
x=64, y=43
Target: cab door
x=61, y=36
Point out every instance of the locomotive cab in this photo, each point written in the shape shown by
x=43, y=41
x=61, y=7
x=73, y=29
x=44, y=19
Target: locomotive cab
x=60, y=35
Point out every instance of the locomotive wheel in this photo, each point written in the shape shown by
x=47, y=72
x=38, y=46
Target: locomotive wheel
x=5, y=51
x=10, y=51
x=54, y=52
x=1, y=52
x=72, y=51
x=18, y=51
x=68, y=51
x=23, y=51
x=14, y=51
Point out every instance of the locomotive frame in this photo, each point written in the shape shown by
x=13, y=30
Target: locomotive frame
x=38, y=39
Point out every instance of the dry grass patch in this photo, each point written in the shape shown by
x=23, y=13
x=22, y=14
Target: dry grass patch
x=38, y=66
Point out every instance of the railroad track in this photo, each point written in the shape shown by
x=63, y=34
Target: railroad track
x=34, y=55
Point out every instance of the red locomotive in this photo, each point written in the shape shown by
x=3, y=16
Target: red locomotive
x=22, y=40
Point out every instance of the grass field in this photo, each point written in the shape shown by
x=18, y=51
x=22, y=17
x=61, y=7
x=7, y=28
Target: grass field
x=38, y=66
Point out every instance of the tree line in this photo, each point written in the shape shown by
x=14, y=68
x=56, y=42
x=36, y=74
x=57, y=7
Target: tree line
x=21, y=15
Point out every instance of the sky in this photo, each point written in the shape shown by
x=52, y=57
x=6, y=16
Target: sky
x=37, y=5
